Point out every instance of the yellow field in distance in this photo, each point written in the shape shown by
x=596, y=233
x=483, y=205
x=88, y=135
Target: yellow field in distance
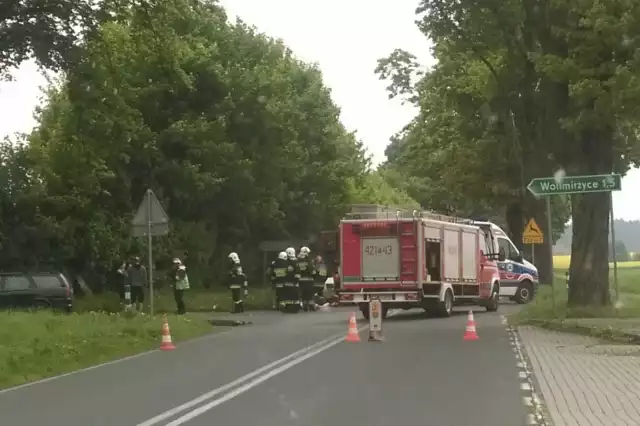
x=562, y=262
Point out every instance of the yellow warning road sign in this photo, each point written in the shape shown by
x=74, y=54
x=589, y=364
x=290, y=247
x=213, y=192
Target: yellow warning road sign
x=532, y=233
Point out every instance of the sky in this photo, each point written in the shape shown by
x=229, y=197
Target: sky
x=346, y=38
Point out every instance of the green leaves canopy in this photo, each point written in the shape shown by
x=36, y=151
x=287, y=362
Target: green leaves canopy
x=522, y=88
x=239, y=139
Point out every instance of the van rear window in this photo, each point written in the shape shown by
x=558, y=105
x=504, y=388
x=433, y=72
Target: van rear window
x=16, y=282
x=48, y=281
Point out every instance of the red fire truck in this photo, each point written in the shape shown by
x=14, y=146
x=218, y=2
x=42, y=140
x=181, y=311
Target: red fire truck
x=416, y=260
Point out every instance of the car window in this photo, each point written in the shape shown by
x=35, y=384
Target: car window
x=507, y=247
x=48, y=281
x=484, y=245
x=16, y=282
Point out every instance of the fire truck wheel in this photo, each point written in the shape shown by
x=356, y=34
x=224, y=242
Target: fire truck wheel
x=445, y=308
x=494, y=302
x=524, y=294
x=365, y=313
x=364, y=308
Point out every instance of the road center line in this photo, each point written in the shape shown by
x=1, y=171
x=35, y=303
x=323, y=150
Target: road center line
x=224, y=388
x=255, y=382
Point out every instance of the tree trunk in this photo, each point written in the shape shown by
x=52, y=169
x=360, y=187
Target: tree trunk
x=544, y=261
x=515, y=223
x=589, y=270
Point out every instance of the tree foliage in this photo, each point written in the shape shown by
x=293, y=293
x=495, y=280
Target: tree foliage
x=520, y=89
x=48, y=31
x=240, y=141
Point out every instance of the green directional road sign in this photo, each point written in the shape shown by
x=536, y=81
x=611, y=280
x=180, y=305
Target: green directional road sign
x=575, y=185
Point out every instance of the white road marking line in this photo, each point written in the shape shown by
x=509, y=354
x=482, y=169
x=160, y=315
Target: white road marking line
x=224, y=388
x=242, y=389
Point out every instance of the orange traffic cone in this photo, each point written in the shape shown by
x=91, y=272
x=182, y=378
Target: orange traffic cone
x=352, y=333
x=167, y=344
x=470, y=331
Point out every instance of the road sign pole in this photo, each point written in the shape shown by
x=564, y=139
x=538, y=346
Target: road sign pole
x=533, y=254
x=550, y=243
x=150, y=220
x=150, y=254
x=613, y=249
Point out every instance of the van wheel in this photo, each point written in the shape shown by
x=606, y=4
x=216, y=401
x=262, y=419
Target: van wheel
x=494, y=302
x=445, y=308
x=524, y=294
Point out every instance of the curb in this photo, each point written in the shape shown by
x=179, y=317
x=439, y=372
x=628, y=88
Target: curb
x=533, y=400
x=607, y=333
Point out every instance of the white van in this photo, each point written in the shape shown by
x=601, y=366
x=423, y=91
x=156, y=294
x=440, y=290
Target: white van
x=518, y=277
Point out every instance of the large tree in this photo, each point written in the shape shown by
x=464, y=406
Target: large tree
x=48, y=31
x=559, y=88
x=239, y=139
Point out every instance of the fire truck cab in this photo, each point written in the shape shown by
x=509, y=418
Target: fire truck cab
x=417, y=260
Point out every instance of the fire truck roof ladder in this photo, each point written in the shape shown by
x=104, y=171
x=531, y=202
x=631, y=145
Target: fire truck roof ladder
x=440, y=217
x=379, y=212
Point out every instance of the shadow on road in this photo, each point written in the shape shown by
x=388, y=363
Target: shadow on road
x=418, y=314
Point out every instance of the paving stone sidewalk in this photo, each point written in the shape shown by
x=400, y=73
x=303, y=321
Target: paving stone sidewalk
x=583, y=380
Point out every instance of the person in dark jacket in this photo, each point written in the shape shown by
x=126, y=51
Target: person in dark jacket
x=137, y=279
x=121, y=281
x=278, y=275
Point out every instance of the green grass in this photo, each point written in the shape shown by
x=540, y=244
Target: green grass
x=195, y=300
x=628, y=280
x=561, y=262
x=549, y=310
x=35, y=345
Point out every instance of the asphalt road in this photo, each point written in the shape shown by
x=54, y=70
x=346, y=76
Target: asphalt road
x=423, y=373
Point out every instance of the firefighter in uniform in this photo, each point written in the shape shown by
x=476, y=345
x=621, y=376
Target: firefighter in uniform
x=319, y=276
x=291, y=287
x=269, y=274
x=237, y=283
x=278, y=275
x=304, y=268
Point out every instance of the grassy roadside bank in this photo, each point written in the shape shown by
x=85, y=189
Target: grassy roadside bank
x=618, y=323
x=36, y=345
